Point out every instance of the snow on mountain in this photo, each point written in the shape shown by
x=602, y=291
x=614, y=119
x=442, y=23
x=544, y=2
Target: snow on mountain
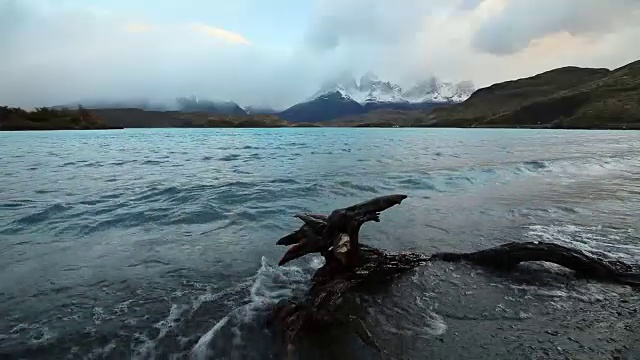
x=344, y=84
x=465, y=90
x=379, y=91
x=373, y=90
x=326, y=106
x=434, y=90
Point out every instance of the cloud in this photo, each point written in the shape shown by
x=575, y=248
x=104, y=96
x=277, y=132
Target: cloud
x=223, y=34
x=347, y=23
x=520, y=22
x=138, y=28
x=53, y=54
x=482, y=40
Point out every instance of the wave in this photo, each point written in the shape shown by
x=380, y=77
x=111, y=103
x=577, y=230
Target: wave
x=230, y=157
x=455, y=179
x=269, y=285
x=170, y=205
x=359, y=187
x=602, y=241
x=588, y=166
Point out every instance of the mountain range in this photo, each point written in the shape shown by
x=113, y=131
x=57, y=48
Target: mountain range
x=338, y=98
x=346, y=97
x=568, y=98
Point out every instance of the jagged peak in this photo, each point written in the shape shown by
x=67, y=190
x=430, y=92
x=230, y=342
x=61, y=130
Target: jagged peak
x=371, y=89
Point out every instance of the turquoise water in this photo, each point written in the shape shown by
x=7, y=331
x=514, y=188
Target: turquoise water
x=151, y=243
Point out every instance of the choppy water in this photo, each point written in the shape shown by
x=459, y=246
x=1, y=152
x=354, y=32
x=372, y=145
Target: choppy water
x=160, y=243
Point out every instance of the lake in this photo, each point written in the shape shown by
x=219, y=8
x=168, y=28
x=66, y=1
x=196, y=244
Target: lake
x=160, y=243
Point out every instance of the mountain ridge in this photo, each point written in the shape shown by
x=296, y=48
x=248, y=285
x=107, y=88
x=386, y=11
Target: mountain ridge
x=569, y=98
x=344, y=96
x=371, y=89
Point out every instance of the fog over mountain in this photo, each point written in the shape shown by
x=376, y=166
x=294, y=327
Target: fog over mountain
x=275, y=54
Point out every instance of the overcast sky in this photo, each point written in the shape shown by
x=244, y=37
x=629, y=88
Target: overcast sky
x=277, y=52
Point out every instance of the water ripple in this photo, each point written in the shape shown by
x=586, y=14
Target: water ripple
x=160, y=243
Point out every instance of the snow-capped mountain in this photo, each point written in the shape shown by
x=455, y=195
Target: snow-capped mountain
x=378, y=91
x=344, y=84
x=372, y=90
x=345, y=97
x=327, y=106
x=434, y=90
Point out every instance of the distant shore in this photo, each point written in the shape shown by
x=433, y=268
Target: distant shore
x=613, y=127
x=59, y=129
x=16, y=119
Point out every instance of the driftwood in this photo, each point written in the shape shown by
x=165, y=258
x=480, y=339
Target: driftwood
x=508, y=256
x=350, y=265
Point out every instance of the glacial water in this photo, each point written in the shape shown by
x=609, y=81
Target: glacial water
x=160, y=244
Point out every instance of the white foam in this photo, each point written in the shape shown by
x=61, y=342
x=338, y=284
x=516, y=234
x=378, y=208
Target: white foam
x=101, y=353
x=585, y=293
x=317, y=262
x=200, y=351
x=572, y=169
x=436, y=325
x=268, y=286
x=41, y=335
x=123, y=307
x=170, y=321
x=98, y=315
x=589, y=239
x=36, y=333
x=209, y=296
x=147, y=347
x=432, y=324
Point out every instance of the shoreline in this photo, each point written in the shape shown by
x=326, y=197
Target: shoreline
x=611, y=128
x=62, y=129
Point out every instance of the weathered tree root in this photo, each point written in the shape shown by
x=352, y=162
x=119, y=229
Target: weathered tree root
x=325, y=304
x=508, y=256
x=350, y=266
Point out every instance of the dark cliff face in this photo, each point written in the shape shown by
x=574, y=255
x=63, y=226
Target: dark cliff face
x=368, y=107
x=323, y=108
